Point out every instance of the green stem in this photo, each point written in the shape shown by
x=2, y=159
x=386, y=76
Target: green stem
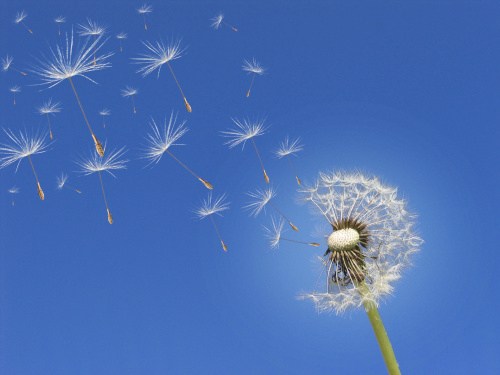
x=380, y=333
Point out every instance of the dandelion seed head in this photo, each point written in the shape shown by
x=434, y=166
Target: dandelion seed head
x=21, y=146
x=60, y=19
x=145, y=9
x=7, y=62
x=156, y=55
x=13, y=190
x=274, y=232
x=245, y=130
x=260, y=198
x=112, y=161
x=20, y=17
x=15, y=89
x=159, y=140
x=61, y=180
x=49, y=108
x=105, y=112
x=288, y=147
x=129, y=91
x=217, y=21
x=121, y=36
x=371, y=240
x=91, y=28
x=252, y=66
x=65, y=62
x=211, y=206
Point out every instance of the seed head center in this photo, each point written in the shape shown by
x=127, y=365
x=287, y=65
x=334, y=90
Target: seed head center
x=343, y=239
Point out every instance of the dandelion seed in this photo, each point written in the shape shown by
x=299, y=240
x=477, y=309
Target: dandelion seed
x=63, y=64
x=275, y=231
x=23, y=146
x=47, y=109
x=7, y=63
x=254, y=68
x=14, y=190
x=92, y=29
x=15, y=90
x=105, y=112
x=19, y=20
x=247, y=130
x=143, y=10
x=62, y=183
x=130, y=92
x=160, y=140
x=218, y=21
x=212, y=207
x=371, y=241
x=96, y=164
x=59, y=21
x=156, y=56
x=121, y=36
x=290, y=148
x=263, y=197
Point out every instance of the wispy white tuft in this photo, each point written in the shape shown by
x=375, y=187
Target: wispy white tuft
x=212, y=206
x=273, y=232
x=112, y=161
x=21, y=146
x=252, y=66
x=260, y=198
x=49, y=108
x=288, y=147
x=91, y=28
x=245, y=130
x=156, y=55
x=129, y=91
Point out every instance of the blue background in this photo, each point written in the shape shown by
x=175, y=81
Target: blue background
x=408, y=92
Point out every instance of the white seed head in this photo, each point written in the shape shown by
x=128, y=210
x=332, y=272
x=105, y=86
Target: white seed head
x=105, y=112
x=274, y=232
x=252, y=66
x=49, y=108
x=7, y=62
x=121, y=36
x=61, y=180
x=217, y=21
x=60, y=19
x=343, y=239
x=110, y=162
x=21, y=146
x=212, y=206
x=261, y=197
x=15, y=89
x=91, y=28
x=145, y=9
x=129, y=91
x=156, y=55
x=288, y=147
x=13, y=190
x=245, y=130
x=20, y=17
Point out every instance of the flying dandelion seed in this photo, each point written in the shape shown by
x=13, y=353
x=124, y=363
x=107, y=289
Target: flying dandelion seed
x=290, y=148
x=261, y=198
x=7, y=64
x=218, y=21
x=93, y=30
x=143, y=10
x=62, y=182
x=15, y=90
x=121, y=36
x=14, y=190
x=97, y=164
x=23, y=146
x=212, y=207
x=254, y=68
x=104, y=113
x=19, y=20
x=130, y=92
x=371, y=241
x=59, y=21
x=275, y=231
x=47, y=109
x=247, y=130
x=63, y=64
x=160, y=140
x=158, y=55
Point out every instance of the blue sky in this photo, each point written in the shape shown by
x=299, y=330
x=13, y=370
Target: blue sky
x=407, y=92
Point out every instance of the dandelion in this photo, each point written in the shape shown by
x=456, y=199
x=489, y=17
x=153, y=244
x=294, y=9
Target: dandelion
x=59, y=21
x=121, y=36
x=15, y=90
x=371, y=241
x=130, y=92
x=47, y=109
x=247, y=130
x=160, y=140
x=275, y=231
x=157, y=55
x=105, y=112
x=212, y=207
x=143, y=10
x=261, y=198
x=218, y=21
x=62, y=182
x=97, y=164
x=290, y=148
x=254, y=68
x=19, y=20
x=92, y=29
x=14, y=190
x=7, y=63
x=63, y=65
x=23, y=146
